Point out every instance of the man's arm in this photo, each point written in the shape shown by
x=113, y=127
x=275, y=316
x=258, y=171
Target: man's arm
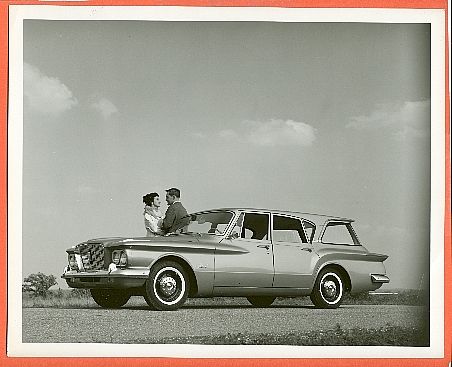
x=170, y=217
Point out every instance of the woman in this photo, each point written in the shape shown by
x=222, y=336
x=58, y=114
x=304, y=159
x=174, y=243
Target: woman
x=152, y=214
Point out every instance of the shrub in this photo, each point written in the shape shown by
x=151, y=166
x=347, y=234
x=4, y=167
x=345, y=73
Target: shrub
x=80, y=293
x=38, y=284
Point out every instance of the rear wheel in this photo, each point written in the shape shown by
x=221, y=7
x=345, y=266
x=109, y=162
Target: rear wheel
x=110, y=298
x=167, y=286
x=328, y=289
x=261, y=301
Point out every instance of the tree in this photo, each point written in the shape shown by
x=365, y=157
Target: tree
x=38, y=284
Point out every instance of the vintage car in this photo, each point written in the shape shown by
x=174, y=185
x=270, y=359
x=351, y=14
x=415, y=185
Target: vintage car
x=254, y=253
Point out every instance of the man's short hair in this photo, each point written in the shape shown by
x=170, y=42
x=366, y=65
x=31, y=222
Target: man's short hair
x=173, y=192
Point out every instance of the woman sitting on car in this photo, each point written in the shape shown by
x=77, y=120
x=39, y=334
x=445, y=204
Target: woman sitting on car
x=152, y=214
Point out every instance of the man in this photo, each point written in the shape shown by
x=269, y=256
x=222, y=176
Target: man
x=176, y=217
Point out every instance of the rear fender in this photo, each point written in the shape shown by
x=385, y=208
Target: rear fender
x=357, y=268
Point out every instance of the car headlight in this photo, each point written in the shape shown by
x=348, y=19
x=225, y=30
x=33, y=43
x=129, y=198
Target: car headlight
x=115, y=257
x=123, y=259
x=119, y=257
x=72, y=262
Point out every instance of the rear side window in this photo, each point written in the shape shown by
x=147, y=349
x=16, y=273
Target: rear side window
x=286, y=229
x=339, y=233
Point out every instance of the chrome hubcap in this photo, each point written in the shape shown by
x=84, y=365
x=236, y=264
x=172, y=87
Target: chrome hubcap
x=167, y=285
x=329, y=289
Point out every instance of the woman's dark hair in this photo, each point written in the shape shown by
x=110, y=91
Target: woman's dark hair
x=148, y=199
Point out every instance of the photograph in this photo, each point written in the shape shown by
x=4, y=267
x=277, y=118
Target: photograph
x=252, y=183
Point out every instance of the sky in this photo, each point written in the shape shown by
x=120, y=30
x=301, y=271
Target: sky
x=329, y=118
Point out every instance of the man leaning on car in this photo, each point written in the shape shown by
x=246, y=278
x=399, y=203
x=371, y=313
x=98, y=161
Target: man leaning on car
x=176, y=216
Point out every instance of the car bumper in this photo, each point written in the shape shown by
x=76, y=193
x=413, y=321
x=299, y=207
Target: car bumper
x=119, y=278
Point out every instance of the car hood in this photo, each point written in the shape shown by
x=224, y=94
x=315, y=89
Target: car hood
x=175, y=239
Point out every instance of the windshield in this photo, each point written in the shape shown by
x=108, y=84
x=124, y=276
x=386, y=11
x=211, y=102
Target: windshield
x=210, y=222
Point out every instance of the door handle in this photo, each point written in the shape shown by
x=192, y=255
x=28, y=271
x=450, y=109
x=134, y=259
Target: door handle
x=306, y=249
x=264, y=246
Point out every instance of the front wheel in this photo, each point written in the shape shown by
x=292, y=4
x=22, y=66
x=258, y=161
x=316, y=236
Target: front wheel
x=110, y=298
x=167, y=286
x=328, y=289
x=261, y=301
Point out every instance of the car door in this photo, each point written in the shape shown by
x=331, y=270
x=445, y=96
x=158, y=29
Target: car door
x=294, y=255
x=246, y=259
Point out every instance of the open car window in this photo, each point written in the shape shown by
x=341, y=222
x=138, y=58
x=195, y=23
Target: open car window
x=287, y=229
x=254, y=226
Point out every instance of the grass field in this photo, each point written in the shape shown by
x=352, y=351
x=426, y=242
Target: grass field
x=79, y=298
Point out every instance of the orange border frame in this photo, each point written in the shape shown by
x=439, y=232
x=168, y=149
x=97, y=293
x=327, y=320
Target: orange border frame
x=206, y=362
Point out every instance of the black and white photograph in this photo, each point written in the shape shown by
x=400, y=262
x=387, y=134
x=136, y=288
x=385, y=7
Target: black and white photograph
x=226, y=182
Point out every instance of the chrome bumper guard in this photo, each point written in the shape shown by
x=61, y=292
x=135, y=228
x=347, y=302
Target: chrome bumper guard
x=379, y=278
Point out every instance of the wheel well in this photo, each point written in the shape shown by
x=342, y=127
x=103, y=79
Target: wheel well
x=191, y=275
x=343, y=273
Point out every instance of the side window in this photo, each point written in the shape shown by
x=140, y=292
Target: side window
x=309, y=228
x=287, y=229
x=339, y=233
x=255, y=226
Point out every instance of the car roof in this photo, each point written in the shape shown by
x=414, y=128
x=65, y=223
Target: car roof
x=310, y=216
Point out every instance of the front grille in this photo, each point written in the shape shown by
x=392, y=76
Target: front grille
x=92, y=256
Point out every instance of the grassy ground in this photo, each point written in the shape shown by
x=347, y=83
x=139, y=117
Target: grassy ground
x=384, y=336
x=79, y=298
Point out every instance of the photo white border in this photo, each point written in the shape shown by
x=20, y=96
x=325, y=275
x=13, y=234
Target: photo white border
x=18, y=13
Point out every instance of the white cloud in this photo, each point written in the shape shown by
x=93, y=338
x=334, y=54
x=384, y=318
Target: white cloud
x=280, y=132
x=272, y=133
x=46, y=95
x=228, y=134
x=403, y=120
x=105, y=107
x=408, y=132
